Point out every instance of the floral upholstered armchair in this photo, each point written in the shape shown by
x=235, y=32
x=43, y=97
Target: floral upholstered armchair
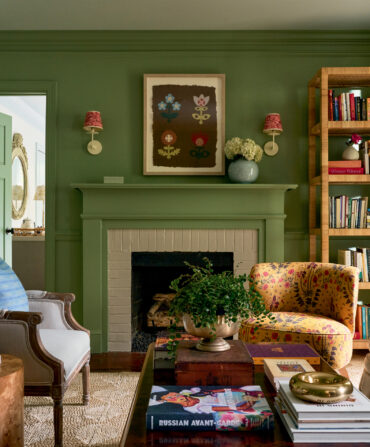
x=312, y=303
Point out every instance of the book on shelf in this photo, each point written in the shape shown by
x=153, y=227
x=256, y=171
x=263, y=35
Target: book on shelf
x=262, y=351
x=349, y=171
x=347, y=107
x=321, y=435
x=344, y=164
x=356, y=257
x=348, y=212
x=208, y=408
x=277, y=370
x=364, y=155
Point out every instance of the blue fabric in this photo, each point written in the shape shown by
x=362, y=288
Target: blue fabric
x=12, y=293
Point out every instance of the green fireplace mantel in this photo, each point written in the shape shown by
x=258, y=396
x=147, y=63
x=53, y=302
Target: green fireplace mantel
x=227, y=206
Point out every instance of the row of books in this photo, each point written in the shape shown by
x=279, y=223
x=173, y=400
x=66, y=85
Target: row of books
x=356, y=257
x=362, y=324
x=347, y=107
x=347, y=421
x=348, y=212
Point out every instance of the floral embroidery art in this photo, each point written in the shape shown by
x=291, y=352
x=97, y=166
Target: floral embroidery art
x=199, y=141
x=169, y=108
x=184, y=129
x=201, y=102
x=168, y=138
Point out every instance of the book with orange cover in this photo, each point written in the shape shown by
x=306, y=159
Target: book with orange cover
x=261, y=351
x=344, y=164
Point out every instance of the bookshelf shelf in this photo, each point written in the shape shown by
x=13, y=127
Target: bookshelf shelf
x=353, y=232
x=320, y=131
x=361, y=344
x=364, y=285
x=343, y=179
x=343, y=128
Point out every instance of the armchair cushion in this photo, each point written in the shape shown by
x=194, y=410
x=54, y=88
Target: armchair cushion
x=330, y=338
x=67, y=345
x=12, y=293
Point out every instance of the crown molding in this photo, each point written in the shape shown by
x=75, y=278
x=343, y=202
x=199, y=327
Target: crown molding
x=297, y=42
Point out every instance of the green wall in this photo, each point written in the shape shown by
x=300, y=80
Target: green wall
x=265, y=72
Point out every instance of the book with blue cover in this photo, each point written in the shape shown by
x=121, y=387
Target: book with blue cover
x=208, y=408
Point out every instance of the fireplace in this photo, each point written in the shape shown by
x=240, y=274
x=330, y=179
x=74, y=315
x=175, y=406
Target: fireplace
x=151, y=275
x=117, y=220
x=130, y=249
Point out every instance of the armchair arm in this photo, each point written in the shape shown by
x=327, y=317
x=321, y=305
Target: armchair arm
x=19, y=336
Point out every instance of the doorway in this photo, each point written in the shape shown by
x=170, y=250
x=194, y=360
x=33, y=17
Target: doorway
x=28, y=114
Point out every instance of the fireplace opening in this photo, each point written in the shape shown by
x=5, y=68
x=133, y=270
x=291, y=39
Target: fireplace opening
x=151, y=275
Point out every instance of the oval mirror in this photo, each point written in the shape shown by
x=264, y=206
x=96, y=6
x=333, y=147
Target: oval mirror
x=19, y=177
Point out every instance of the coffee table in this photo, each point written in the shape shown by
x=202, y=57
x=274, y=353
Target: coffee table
x=136, y=435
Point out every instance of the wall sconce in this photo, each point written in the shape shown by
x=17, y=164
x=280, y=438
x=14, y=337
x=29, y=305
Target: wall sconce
x=272, y=127
x=92, y=125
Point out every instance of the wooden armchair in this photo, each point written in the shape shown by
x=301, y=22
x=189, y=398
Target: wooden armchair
x=53, y=346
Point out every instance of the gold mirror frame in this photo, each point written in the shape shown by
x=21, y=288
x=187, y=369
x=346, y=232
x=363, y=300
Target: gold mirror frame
x=18, y=150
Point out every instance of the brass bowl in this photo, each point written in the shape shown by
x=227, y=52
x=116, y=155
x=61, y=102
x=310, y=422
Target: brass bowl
x=320, y=387
x=211, y=341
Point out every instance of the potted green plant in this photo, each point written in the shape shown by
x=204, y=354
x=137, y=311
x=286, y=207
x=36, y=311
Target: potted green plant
x=212, y=305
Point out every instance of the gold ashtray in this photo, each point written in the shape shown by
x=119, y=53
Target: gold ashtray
x=320, y=387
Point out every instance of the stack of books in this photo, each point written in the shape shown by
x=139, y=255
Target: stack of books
x=352, y=167
x=348, y=212
x=208, y=408
x=347, y=421
x=362, y=324
x=356, y=257
x=347, y=107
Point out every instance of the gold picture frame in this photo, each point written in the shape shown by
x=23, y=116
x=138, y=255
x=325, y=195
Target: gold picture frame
x=184, y=124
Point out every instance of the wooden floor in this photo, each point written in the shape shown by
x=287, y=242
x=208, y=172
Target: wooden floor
x=117, y=361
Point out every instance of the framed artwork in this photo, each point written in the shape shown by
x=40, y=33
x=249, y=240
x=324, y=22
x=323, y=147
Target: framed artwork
x=184, y=124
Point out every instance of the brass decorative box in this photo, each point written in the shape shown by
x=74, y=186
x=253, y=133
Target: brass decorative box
x=320, y=387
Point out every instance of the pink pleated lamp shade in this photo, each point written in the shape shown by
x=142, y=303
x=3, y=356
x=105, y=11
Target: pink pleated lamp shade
x=273, y=124
x=93, y=121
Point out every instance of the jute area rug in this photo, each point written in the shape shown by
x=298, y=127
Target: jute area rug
x=100, y=423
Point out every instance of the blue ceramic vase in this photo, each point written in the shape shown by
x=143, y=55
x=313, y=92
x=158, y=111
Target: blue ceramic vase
x=243, y=171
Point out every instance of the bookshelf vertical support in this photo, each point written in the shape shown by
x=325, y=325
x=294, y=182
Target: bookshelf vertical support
x=324, y=166
x=312, y=169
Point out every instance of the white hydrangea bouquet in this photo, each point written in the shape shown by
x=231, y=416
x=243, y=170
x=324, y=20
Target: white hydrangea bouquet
x=244, y=147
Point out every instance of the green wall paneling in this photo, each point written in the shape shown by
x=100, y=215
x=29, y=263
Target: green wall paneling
x=266, y=71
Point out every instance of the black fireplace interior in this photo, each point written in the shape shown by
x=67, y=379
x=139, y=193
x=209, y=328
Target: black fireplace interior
x=152, y=272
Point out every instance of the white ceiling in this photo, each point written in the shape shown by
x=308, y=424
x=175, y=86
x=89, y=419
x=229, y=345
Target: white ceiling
x=184, y=14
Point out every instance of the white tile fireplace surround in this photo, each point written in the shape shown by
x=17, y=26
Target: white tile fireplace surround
x=123, y=242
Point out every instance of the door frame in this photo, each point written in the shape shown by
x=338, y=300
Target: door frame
x=48, y=88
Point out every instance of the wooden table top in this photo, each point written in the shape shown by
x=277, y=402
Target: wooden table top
x=136, y=435
x=9, y=364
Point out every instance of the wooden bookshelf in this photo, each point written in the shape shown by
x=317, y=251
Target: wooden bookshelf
x=319, y=185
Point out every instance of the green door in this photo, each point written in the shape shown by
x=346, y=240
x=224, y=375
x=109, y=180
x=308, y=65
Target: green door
x=5, y=187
